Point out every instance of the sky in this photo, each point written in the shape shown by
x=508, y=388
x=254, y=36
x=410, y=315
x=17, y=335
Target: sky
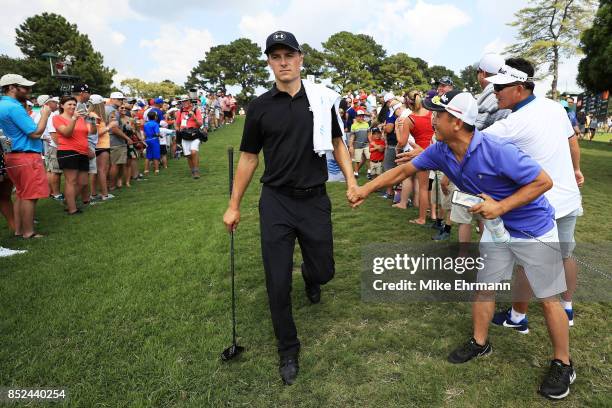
x=155, y=40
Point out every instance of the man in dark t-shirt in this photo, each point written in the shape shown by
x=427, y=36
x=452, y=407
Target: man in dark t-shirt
x=294, y=203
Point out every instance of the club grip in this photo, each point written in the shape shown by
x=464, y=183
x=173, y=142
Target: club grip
x=230, y=159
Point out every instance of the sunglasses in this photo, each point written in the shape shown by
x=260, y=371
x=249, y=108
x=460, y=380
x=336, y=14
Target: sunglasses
x=500, y=87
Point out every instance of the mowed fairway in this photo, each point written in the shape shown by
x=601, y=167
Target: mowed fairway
x=128, y=305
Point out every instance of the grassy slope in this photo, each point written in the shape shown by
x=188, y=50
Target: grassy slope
x=127, y=305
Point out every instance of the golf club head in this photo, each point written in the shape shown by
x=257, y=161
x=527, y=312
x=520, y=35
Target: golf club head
x=231, y=352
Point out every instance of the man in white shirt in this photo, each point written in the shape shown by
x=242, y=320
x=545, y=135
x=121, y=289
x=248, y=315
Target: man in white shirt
x=54, y=173
x=540, y=127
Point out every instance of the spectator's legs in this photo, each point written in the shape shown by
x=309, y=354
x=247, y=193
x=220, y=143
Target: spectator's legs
x=71, y=189
x=24, y=217
x=464, y=233
x=558, y=328
x=483, y=308
x=571, y=271
x=405, y=194
x=423, y=182
x=83, y=185
x=134, y=168
x=102, y=163
x=127, y=172
x=6, y=205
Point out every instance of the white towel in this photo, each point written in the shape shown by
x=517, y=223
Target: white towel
x=321, y=100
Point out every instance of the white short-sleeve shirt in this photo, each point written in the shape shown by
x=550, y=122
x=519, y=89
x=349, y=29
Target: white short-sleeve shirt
x=541, y=129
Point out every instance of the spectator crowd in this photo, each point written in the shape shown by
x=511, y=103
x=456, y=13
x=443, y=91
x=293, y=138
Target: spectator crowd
x=97, y=145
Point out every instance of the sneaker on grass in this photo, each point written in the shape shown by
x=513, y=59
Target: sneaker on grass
x=503, y=319
x=468, y=351
x=570, y=316
x=558, y=379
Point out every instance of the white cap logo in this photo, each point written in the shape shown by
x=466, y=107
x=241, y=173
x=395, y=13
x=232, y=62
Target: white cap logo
x=279, y=36
x=443, y=98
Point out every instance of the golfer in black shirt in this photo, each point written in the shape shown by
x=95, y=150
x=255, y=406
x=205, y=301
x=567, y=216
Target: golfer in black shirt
x=293, y=203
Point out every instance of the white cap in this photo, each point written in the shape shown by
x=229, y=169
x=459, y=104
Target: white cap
x=388, y=96
x=135, y=107
x=96, y=99
x=42, y=99
x=173, y=103
x=461, y=105
x=507, y=75
x=491, y=63
x=117, y=95
x=29, y=103
x=14, y=79
x=396, y=106
x=163, y=124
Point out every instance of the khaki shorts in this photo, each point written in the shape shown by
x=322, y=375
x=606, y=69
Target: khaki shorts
x=461, y=215
x=443, y=199
x=51, y=163
x=376, y=169
x=118, y=154
x=360, y=153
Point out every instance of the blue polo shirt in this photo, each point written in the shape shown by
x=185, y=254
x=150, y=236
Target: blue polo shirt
x=17, y=125
x=498, y=168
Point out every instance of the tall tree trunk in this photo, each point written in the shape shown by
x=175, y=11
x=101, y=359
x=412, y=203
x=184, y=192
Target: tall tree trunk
x=555, y=72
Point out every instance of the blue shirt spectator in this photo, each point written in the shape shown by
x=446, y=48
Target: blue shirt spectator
x=498, y=168
x=17, y=125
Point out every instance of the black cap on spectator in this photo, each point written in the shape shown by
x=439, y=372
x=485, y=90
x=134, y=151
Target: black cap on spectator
x=282, y=38
x=80, y=87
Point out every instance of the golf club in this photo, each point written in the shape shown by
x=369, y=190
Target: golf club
x=234, y=350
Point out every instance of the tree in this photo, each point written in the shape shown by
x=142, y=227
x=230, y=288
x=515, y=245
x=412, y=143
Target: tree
x=399, y=72
x=353, y=60
x=548, y=30
x=48, y=32
x=594, y=70
x=139, y=88
x=236, y=63
x=314, y=61
x=469, y=76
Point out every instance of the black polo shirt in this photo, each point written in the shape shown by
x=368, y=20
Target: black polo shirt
x=282, y=126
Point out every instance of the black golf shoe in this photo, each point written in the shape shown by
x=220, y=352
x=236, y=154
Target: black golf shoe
x=468, y=351
x=556, y=384
x=313, y=290
x=288, y=369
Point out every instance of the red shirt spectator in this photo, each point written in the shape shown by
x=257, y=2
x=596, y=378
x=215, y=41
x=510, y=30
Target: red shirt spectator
x=186, y=119
x=77, y=141
x=375, y=154
x=422, y=130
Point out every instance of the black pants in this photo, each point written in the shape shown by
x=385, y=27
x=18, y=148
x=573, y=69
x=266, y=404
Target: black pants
x=283, y=219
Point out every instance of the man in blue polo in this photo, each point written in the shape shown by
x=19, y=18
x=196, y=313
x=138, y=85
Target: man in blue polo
x=24, y=163
x=512, y=186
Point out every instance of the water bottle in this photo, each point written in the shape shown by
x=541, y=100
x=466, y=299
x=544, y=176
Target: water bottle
x=497, y=229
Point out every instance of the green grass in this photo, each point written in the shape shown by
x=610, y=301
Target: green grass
x=128, y=305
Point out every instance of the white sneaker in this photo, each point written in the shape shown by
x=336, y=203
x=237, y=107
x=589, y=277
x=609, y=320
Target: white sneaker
x=4, y=252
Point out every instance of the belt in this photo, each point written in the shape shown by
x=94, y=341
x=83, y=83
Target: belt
x=23, y=151
x=301, y=192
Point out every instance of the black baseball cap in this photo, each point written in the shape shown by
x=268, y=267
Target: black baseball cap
x=282, y=38
x=446, y=80
x=80, y=87
x=375, y=129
